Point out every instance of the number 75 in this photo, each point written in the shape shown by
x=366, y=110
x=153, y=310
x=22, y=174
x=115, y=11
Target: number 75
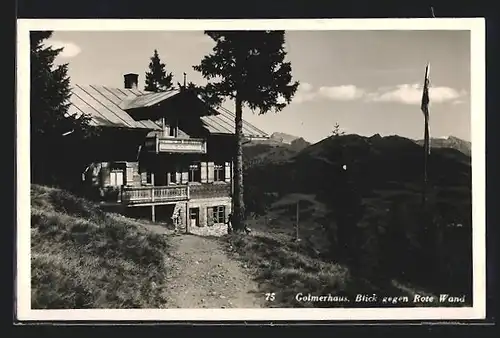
x=270, y=296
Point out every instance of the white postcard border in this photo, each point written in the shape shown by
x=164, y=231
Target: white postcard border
x=23, y=275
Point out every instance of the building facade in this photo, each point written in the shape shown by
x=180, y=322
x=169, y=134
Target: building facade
x=166, y=153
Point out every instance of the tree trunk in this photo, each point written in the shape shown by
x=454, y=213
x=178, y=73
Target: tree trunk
x=239, y=206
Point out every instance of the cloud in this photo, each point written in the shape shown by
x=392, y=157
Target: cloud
x=306, y=92
x=341, y=93
x=69, y=48
x=307, y=87
x=404, y=94
x=412, y=94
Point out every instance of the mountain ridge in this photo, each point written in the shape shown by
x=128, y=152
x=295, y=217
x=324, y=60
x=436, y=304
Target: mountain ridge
x=283, y=137
x=279, y=148
x=450, y=142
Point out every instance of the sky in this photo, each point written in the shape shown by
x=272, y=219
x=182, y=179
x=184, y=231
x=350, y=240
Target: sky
x=369, y=82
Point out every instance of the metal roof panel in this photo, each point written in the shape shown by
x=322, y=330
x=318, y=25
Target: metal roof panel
x=223, y=123
x=102, y=105
x=147, y=100
x=106, y=107
x=102, y=108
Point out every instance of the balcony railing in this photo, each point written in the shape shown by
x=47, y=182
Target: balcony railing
x=154, y=194
x=176, y=145
x=212, y=190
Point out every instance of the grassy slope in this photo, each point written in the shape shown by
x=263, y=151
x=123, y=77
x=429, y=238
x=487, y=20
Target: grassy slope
x=286, y=267
x=84, y=258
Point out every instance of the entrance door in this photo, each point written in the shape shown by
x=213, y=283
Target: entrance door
x=194, y=217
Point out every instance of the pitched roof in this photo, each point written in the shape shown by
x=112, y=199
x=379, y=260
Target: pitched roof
x=107, y=107
x=147, y=99
x=102, y=104
x=223, y=123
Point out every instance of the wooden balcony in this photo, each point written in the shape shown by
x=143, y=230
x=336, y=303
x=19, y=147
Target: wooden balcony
x=157, y=195
x=148, y=195
x=210, y=190
x=176, y=145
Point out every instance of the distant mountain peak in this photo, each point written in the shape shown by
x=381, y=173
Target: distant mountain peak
x=449, y=142
x=283, y=137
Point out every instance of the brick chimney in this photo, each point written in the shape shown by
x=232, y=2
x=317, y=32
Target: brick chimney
x=131, y=80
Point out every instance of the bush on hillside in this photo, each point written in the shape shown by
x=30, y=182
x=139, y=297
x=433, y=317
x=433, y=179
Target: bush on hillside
x=392, y=239
x=258, y=201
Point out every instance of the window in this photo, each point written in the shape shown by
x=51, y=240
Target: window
x=149, y=178
x=219, y=214
x=194, y=216
x=173, y=177
x=173, y=129
x=219, y=172
x=116, y=178
x=194, y=173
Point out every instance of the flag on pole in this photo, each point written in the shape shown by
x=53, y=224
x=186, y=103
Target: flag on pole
x=425, y=109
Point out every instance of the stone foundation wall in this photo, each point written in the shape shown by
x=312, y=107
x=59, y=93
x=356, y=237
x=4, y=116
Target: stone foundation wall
x=180, y=210
x=202, y=205
x=215, y=230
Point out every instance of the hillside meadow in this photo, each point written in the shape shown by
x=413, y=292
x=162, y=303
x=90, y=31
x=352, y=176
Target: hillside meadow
x=84, y=258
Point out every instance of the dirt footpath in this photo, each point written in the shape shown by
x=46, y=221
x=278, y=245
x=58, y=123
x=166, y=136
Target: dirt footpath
x=205, y=277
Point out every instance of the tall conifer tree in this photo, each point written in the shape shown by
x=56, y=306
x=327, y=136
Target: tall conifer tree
x=157, y=79
x=248, y=67
x=55, y=136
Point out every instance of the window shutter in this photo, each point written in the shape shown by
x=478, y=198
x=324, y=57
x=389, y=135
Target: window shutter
x=216, y=215
x=223, y=214
x=210, y=216
x=226, y=213
x=119, y=178
x=210, y=172
x=204, y=172
x=129, y=177
x=185, y=177
x=227, y=174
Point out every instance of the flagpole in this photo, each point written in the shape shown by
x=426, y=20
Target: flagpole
x=425, y=109
x=426, y=155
